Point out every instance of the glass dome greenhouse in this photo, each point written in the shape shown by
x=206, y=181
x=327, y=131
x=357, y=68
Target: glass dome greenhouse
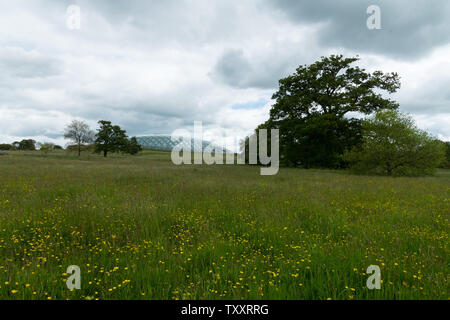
x=165, y=142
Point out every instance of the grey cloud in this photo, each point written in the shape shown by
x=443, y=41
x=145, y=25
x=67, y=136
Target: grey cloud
x=233, y=69
x=170, y=22
x=410, y=29
x=432, y=99
x=261, y=69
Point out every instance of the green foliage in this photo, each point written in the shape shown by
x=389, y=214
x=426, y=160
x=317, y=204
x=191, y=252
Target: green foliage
x=332, y=86
x=320, y=141
x=25, y=144
x=311, y=104
x=110, y=138
x=446, y=162
x=46, y=147
x=245, y=144
x=394, y=146
x=6, y=146
x=133, y=146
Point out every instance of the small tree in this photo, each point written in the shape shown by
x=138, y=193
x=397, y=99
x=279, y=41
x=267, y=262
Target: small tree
x=110, y=138
x=133, y=146
x=26, y=144
x=46, y=147
x=393, y=145
x=79, y=133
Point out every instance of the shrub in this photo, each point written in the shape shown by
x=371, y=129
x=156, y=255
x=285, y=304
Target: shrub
x=394, y=146
x=5, y=146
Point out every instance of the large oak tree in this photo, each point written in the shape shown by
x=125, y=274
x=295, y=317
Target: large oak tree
x=311, y=105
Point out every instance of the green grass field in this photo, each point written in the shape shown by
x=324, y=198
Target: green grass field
x=143, y=228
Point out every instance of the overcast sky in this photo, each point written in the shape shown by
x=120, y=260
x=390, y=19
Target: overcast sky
x=156, y=66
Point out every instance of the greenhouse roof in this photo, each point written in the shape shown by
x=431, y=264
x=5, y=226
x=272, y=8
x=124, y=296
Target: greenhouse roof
x=165, y=142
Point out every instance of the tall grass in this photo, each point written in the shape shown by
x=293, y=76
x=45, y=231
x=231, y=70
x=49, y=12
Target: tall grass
x=142, y=228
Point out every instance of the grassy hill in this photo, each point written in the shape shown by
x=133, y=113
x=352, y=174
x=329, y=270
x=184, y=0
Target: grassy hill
x=143, y=228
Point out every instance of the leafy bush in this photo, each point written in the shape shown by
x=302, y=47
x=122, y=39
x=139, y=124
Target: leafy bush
x=394, y=146
x=5, y=146
x=133, y=147
x=46, y=147
x=446, y=163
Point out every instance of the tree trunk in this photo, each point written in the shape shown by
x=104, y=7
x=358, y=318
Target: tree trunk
x=79, y=150
x=105, y=153
x=389, y=168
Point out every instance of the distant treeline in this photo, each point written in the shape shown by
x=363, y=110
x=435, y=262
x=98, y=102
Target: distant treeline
x=29, y=145
x=109, y=138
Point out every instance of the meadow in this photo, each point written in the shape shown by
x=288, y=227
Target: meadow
x=142, y=228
